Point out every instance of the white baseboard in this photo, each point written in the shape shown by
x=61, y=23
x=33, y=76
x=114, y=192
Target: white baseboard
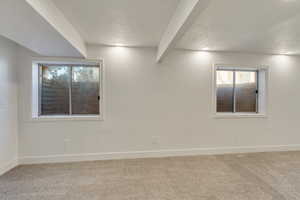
x=8, y=166
x=152, y=154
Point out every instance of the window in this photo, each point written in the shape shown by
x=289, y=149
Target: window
x=240, y=90
x=66, y=89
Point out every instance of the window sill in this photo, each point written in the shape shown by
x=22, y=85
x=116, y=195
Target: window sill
x=68, y=118
x=239, y=115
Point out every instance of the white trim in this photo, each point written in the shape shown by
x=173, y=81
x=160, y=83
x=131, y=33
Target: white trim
x=239, y=115
x=56, y=60
x=8, y=166
x=64, y=60
x=154, y=154
x=262, y=113
x=68, y=118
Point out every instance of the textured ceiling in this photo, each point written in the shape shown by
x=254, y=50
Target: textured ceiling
x=263, y=26
x=22, y=24
x=111, y=22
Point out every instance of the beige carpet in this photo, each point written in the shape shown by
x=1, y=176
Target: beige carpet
x=261, y=176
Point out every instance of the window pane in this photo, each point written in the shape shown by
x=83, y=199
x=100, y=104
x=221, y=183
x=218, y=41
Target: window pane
x=54, y=90
x=224, y=91
x=245, y=92
x=85, y=90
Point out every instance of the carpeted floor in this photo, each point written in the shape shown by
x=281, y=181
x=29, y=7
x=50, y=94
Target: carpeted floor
x=260, y=176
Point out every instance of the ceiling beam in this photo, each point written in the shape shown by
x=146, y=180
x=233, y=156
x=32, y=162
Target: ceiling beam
x=48, y=10
x=183, y=16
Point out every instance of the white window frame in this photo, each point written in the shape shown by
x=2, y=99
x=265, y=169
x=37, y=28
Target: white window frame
x=262, y=100
x=35, y=89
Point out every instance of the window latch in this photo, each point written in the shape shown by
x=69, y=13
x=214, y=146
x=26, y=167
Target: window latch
x=256, y=91
x=98, y=98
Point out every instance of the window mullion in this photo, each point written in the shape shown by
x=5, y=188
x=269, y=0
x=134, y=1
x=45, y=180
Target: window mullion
x=40, y=82
x=70, y=90
x=257, y=91
x=234, y=91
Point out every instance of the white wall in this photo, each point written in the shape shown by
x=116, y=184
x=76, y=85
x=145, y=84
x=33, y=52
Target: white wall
x=151, y=107
x=56, y=18
x=8, y=105
x=28, y=28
